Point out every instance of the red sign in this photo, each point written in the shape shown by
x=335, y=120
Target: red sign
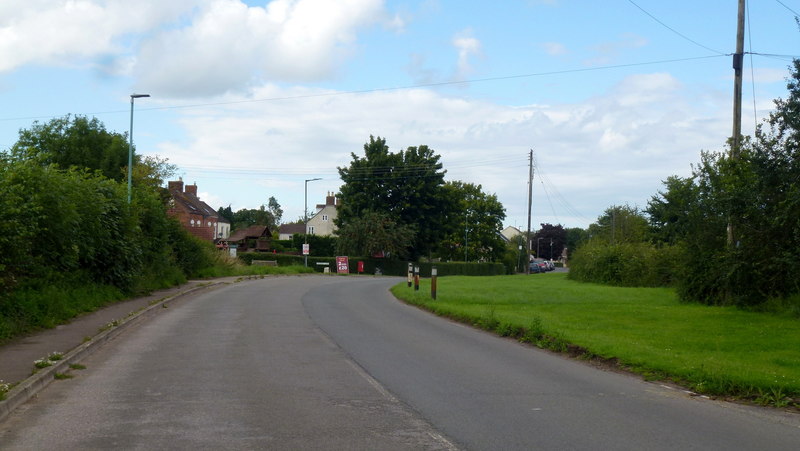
x=342, y=265
x=360, y=267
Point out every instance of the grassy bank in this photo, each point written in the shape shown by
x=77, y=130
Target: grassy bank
x=718, y=351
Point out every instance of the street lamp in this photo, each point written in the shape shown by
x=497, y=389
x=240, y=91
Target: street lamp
x=130, y=145
x=551, y=249
x=305, y=214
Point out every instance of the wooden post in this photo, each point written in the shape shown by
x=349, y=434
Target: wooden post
x=433, y=283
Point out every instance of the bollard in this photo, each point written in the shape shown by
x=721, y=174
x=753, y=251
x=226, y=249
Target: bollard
x=416, y=278
x=409, y=275
x=433, y=283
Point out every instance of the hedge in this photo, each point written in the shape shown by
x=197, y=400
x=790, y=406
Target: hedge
x=386, y=267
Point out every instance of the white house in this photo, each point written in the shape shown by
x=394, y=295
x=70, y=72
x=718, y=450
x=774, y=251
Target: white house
x=321, y=223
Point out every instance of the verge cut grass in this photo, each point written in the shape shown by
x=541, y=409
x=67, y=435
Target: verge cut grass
x=721, y=351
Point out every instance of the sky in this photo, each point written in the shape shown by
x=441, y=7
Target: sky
x=252, y=98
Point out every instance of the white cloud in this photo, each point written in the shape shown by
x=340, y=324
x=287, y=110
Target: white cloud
x=616, y=146
x=467, y=46
x=57, y=32
x=554, y=48
x=229, y=45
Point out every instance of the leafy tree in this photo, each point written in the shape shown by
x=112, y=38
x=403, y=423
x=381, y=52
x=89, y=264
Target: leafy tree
x=275, y=210
x=574, y=237
x=74, y=141
x=669, y=210
x=406, y=186
x=226, y=213
x=373, y=233
x=543, y=238
x=474, y=220
x=620, y=224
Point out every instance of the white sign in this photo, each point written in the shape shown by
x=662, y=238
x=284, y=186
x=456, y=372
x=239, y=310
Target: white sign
x=306, y=249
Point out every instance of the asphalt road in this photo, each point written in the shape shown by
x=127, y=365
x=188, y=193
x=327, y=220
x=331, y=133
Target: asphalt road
x=336, y=363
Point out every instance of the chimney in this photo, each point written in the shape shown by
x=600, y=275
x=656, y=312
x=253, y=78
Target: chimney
x=175, y=186
x=330, y=199
x=192, y=189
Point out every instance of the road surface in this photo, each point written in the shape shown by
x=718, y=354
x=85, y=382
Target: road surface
x=327, y=362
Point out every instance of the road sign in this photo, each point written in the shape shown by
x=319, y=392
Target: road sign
x=306, y=249
x=342, y=266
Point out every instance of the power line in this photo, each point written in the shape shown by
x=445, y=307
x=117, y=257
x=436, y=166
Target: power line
x=790, y=9
x=385, y=89
x=673, y=30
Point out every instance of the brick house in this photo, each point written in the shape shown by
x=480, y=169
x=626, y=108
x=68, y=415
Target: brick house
x=196, y=216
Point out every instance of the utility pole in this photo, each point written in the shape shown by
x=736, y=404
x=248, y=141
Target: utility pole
x=530, y=202
x=738, y=59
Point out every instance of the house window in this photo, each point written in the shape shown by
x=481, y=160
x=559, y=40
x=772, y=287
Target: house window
x=209, y=223
x=191, y=222
x=324, y=217
x=311, y=230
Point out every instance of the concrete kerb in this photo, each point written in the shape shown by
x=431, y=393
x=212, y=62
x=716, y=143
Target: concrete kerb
x=29, y=387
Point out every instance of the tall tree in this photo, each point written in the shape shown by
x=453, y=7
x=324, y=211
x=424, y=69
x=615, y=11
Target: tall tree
x=74, y=141
x=669, y=210
x=621, y=224
x=474, y=220
x=407, y=186
x=275, y=209
x=374, y=233
x=549, y=241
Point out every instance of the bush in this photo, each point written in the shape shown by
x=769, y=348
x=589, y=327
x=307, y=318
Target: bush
x=626, y=264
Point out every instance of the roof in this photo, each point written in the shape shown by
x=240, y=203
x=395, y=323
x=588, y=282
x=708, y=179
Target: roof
x=256, y=231
x=291, y=229
x=192, y=203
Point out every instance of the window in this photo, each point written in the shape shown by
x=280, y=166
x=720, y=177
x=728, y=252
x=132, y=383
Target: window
x=311, y=230
x=324, y=217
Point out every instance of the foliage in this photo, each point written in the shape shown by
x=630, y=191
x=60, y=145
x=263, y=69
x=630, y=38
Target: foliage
x=669, y=210
x=407, y=187
x=549, y=241
x=647, y=330
x=74, y=141
x=574, y=237
x=474, y=220
x=374, y=233
x=319, y=246
x=626, y=264
x=620, y=224
x=72, y=242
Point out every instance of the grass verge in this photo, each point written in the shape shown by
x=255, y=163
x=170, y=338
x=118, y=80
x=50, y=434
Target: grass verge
x=717, y=351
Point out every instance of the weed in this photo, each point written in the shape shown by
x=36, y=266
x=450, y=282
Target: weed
x=55, y=356
x=4, y=388
x=77, y=366
x=42, y=363
x=62, y=376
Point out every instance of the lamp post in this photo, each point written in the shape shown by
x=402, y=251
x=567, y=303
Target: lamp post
x=305, y=214
x=130, y=145
x=551, y=249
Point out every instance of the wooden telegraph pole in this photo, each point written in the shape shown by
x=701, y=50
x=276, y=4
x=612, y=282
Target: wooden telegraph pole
x=738, y=59
x=530, y=202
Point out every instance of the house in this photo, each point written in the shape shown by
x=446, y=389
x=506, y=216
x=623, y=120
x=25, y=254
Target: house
x=286, y=231
x=321, y=224
x=196, y=216
x=510, y=232
x=257, y=238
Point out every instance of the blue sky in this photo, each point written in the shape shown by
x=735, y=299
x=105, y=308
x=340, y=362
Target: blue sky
x=251, y=98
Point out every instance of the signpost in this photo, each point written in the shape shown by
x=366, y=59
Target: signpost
x=342, y=266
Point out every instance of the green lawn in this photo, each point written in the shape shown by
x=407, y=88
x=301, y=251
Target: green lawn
x=714, y=350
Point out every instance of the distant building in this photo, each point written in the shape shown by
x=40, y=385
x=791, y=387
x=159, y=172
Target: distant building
x=321, y=224
x=196, y=216
x=253, y=238
x=510, y=232
x=286, y=231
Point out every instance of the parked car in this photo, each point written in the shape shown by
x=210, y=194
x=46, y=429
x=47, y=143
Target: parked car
x=535, y=268
x=542, y=263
